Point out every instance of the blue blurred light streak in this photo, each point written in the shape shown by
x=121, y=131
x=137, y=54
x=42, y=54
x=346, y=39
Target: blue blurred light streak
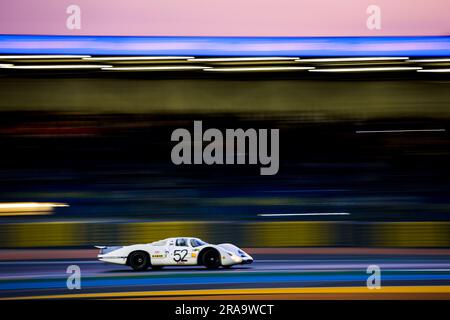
x=227, y=46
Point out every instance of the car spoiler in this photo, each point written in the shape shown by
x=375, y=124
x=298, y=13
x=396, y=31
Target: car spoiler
x=106, y=249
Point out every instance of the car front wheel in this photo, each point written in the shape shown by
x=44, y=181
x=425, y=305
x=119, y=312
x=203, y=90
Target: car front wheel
x=211, y=259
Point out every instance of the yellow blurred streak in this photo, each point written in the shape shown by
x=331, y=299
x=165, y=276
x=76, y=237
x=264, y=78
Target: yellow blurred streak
x=260, y=291
x=411, y=234
x=26, y=213
x=45, y=234
x=28, y=208
x=151, y=231
x=250, y=234
x=289, y=234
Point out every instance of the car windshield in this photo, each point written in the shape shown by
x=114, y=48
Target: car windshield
x=197, y=243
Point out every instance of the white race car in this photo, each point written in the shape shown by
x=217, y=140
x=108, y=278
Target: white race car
x=183, y=251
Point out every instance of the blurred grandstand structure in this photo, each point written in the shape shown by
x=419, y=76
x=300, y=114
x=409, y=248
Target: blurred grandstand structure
x=367, y=136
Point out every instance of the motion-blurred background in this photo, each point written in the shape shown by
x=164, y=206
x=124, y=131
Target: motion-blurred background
x=85, y=160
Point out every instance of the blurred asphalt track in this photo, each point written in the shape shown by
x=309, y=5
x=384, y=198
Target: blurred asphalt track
x=289, y=273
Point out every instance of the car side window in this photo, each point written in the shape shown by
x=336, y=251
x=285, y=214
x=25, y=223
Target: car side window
x=181, y=242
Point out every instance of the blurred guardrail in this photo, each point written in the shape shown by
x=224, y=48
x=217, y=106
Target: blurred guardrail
x=246, y=234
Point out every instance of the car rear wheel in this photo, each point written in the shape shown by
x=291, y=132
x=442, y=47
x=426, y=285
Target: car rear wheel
x=139, y=261
x=211, y=259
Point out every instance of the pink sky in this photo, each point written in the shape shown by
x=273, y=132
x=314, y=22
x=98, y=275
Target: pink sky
x=226, y=17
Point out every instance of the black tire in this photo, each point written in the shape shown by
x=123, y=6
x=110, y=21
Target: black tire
x=227, y=267
x=211, y=259
x=139, y=260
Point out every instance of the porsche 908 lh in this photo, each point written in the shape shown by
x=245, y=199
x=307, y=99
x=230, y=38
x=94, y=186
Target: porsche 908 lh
x=183, y=251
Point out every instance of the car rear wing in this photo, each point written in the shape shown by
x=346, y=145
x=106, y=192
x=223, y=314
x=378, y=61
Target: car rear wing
x=106, y=249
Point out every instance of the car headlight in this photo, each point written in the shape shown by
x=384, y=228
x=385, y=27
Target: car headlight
x=234, y=257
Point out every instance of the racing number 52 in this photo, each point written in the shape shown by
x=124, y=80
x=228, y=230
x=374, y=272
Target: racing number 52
x=180, y=255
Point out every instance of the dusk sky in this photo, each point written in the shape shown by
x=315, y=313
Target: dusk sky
x=226, y=17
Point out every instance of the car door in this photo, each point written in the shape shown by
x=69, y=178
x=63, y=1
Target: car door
x=180, y=252
x=158, y=255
